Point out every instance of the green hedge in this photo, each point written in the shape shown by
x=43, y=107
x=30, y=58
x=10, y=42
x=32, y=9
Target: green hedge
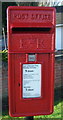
x=4, y=55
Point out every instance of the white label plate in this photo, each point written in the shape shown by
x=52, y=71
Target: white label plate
x=31, y=80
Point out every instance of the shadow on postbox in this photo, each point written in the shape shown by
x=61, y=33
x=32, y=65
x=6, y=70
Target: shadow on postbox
x=31, y=46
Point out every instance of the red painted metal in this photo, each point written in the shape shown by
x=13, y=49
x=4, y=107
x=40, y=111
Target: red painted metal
x=30, y=30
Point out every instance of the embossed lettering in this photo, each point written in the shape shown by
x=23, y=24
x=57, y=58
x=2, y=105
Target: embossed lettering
x=21, y=16
x=25, y=16
x=40, y=17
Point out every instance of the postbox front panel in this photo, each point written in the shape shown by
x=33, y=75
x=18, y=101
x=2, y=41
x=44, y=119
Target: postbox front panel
x=31, y=101
x=31, y=45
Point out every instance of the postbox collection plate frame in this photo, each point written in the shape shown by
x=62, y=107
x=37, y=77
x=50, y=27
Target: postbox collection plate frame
x=21, y=65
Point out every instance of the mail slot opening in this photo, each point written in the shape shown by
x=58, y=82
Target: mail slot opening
x=35, y=29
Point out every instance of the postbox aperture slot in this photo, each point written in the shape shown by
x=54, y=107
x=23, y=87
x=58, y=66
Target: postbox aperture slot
x=31, y=29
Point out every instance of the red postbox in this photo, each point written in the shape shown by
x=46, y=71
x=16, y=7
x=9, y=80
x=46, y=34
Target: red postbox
x=31, y=46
